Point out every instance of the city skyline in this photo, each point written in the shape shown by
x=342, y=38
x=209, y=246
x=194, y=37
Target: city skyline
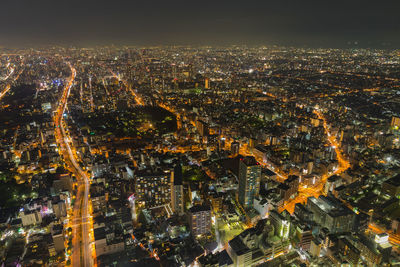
x=338, y=24
x=198, y=134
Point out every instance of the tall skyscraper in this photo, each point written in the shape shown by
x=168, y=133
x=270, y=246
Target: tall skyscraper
x=177, y=203
x=249, y=181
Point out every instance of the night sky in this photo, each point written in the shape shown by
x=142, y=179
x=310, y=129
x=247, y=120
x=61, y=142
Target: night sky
x=324, y=23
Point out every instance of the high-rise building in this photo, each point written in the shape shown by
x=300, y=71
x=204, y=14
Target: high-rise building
x=305, y=237
x=216, y=201
x=383, y=246
x=289, y=187
x=177, y=203
x=249, y=181
x=348, y=251
x=64, y=182
x=202, y=127
x=235, y=146
x=332, y=182
x=302, y=213
x=249, y=247
x=153, y=190
x=59, y=208
x=331, y=213
x=361, y=222
x=200, y=219
x=281, y=224
x=315, y=247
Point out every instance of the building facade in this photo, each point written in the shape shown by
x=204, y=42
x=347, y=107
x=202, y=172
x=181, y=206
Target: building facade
x=249, y=181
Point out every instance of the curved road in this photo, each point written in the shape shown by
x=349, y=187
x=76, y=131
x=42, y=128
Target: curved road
x=81, y=220
x=8, y=85
x=316, y=190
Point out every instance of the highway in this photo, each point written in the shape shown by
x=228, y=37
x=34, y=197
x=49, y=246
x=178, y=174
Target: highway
x=5, y=90
x=8, y=86
x=83, y=254
x=9, y=74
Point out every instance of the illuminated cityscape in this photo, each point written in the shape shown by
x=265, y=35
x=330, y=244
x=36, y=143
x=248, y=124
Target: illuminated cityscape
x=192, y=154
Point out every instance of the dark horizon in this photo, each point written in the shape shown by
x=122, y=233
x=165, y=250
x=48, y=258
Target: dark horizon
x=312, y=24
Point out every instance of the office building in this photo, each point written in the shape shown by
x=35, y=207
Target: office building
x=202, y=127
x=235, y=146
x=249, y=181
x=331, y=213
x=153, y=190
x=281, y=224
x=200, y=219
x=289, y=187
x=177, y=203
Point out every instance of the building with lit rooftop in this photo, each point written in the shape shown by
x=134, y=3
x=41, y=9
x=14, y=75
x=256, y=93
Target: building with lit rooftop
x=332, y=214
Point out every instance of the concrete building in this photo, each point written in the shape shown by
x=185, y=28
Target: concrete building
x=177, y=202
x=391, y=187
x=332, y=214
x=58, y=237
x=105, y=244
x=30, y=217
x=202, y=127
x=200, y=219
x=153, y=190
x=254, y=245
x=59, y=209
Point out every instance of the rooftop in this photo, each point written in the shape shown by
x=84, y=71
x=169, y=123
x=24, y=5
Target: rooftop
x=199, y=208
x=238, y=246
x=395, y=181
